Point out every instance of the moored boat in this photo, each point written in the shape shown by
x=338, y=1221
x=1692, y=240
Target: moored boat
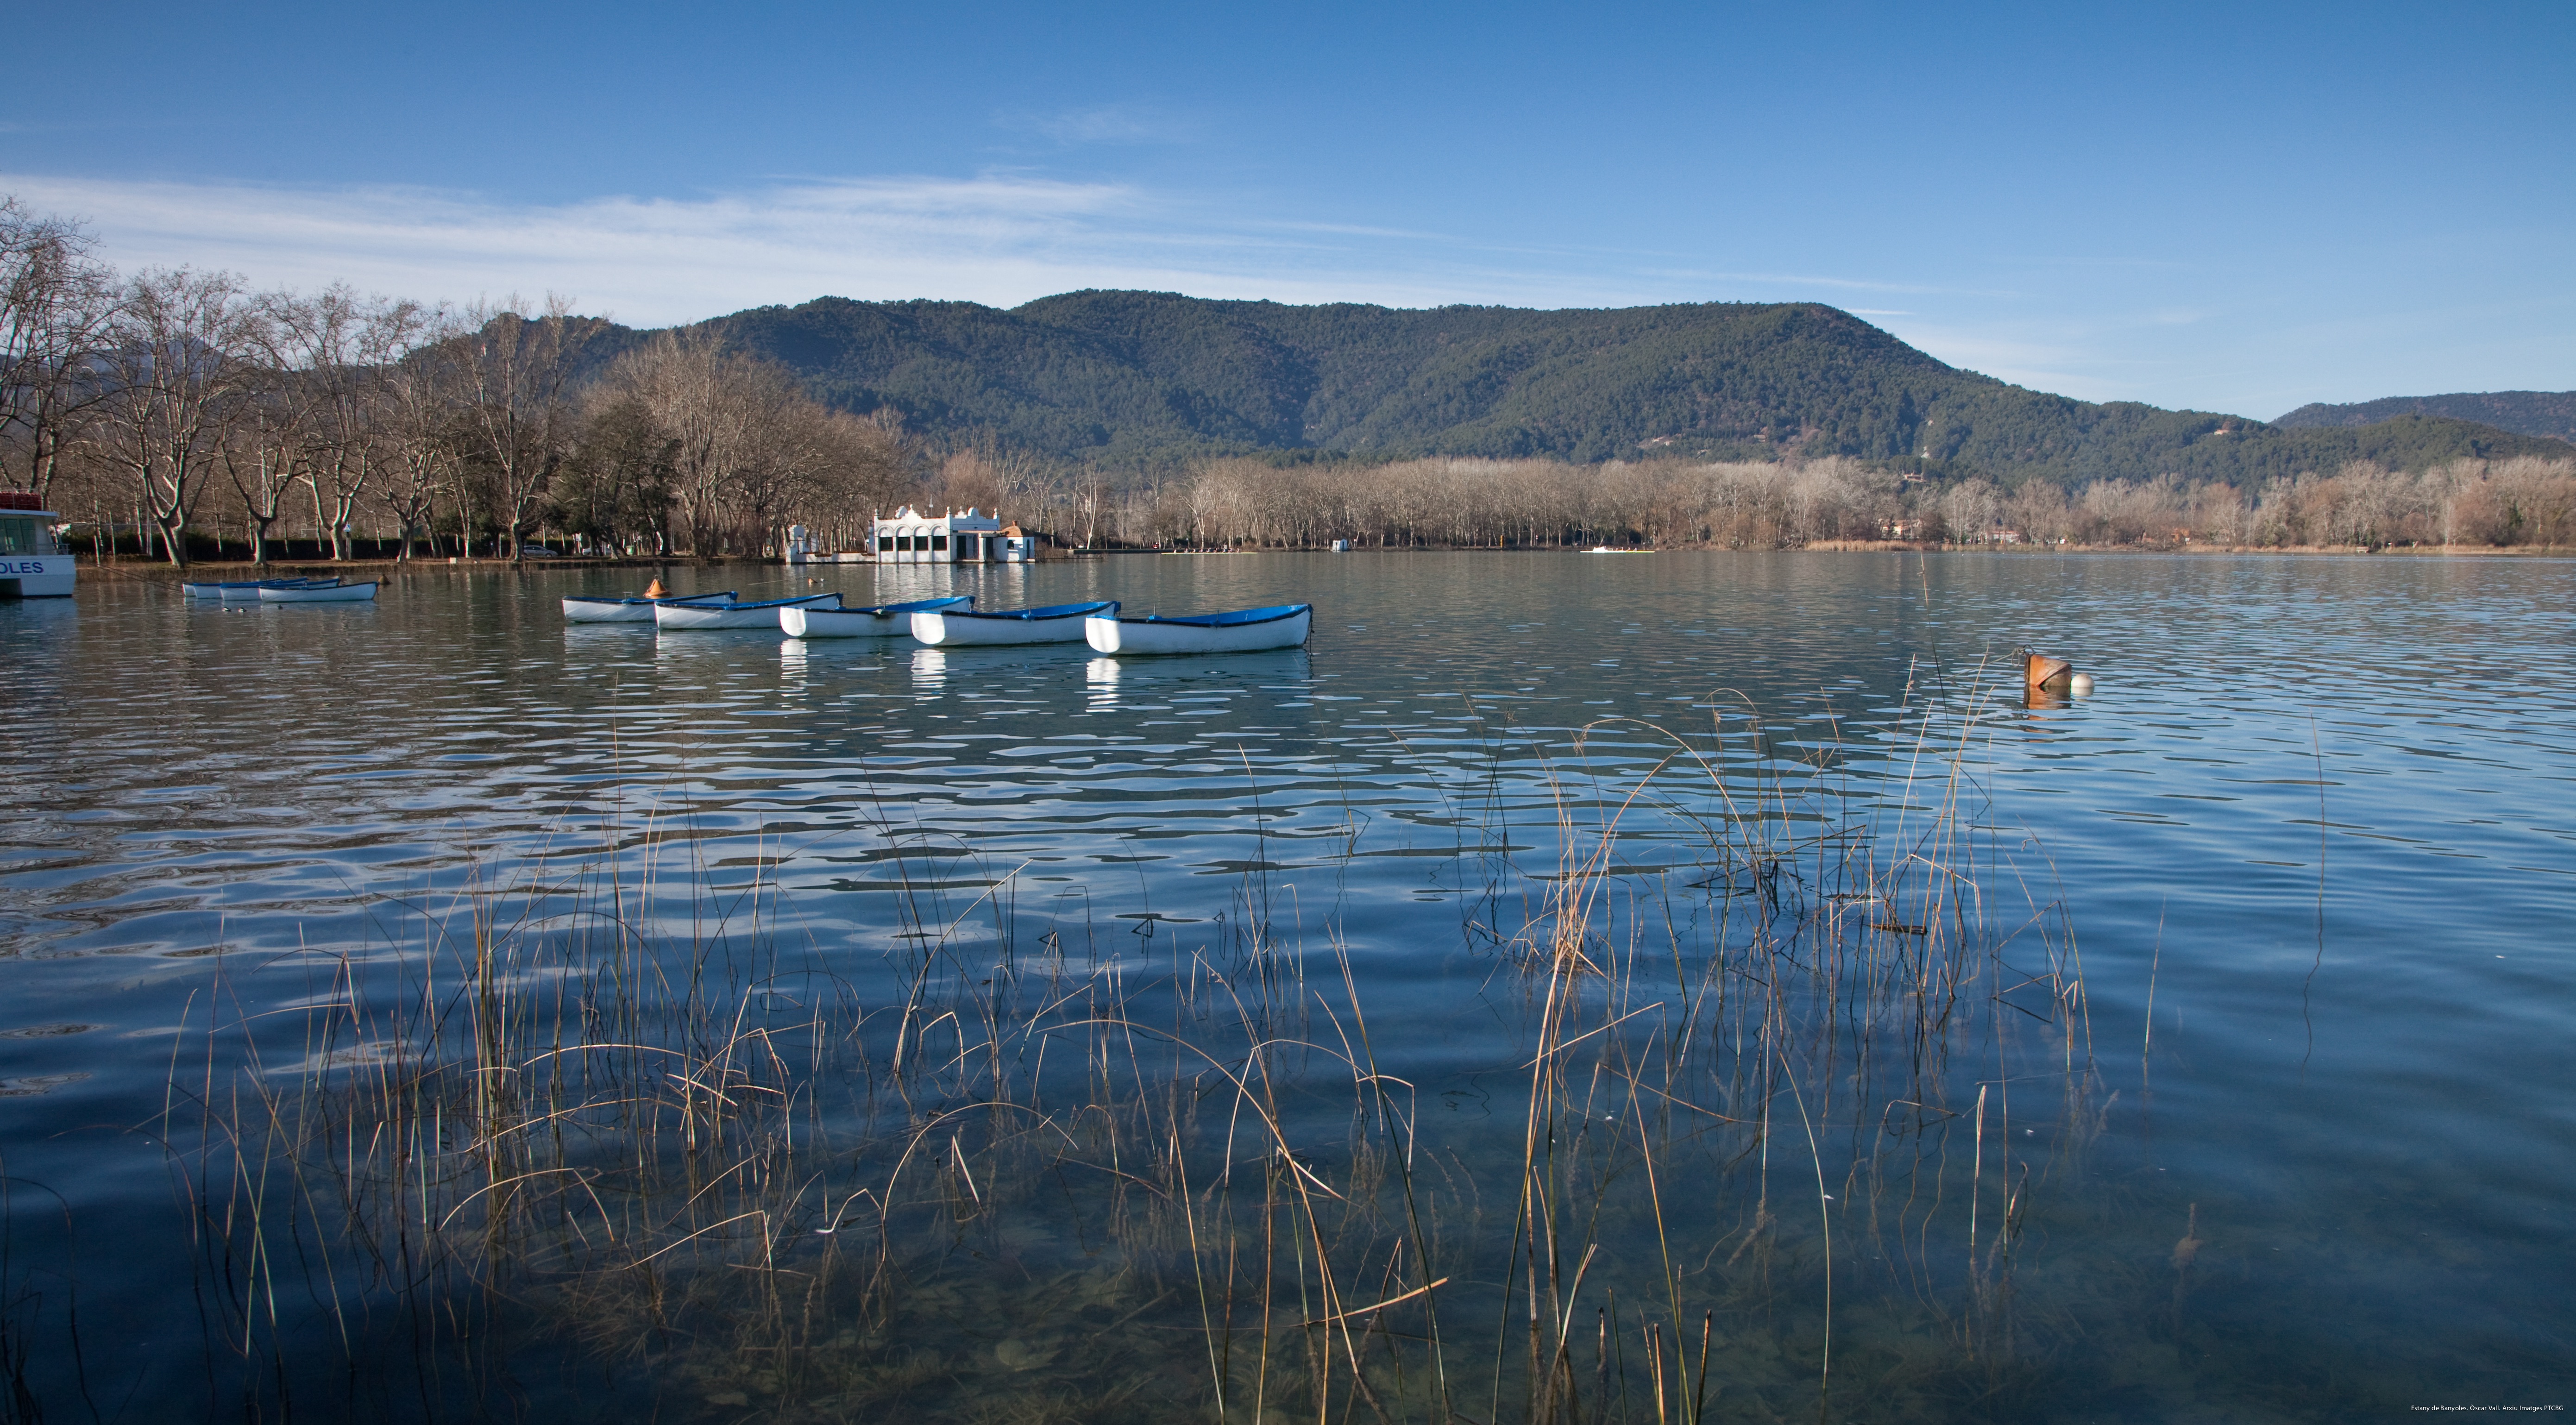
x=32, y=565
x=247, y=591
x=626, y=610
x=334, y=592
x=764, y=614
x=213, y=589
x=1056, y=623
x=883, y=621
x=1235, y=631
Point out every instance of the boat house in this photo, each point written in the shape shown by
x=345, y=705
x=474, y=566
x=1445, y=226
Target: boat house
x=910, y=537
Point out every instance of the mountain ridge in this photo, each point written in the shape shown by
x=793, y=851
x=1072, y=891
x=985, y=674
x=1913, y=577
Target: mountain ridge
x=2550, y=414
x=1146, y=379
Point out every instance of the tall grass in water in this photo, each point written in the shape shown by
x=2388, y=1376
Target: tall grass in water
x=1751, y=1029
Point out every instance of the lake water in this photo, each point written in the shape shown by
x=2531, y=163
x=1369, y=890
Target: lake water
x=2281, y=924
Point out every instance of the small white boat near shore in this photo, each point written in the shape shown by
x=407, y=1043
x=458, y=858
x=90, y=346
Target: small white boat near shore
x=231, y=588
x=1056, y=623
x=1235, y=631
x=334, y=592
x=246, y=591
x=883, y=621
x=688, y=617
x=631, y=610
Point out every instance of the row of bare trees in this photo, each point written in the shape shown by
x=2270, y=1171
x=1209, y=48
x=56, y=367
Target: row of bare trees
x=1791, y=503
x=201, y=406
x=2524, y=501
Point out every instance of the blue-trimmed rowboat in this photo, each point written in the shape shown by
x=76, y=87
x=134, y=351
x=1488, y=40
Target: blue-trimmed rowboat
x=883, y=621
x=246, y=590
x=333, y=592
x=669, y=617
x=1236, y=631
x=1056, y=623
x=582, y=610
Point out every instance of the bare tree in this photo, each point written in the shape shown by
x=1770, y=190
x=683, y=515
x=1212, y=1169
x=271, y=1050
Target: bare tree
x=54, y=309
x=261, y=456
x=734, y=451
x=178, y=368
x=1971, y=509
x=516, y=410
x=837, y=469
x=417, y=419
x=343, y=352
x=616, y=489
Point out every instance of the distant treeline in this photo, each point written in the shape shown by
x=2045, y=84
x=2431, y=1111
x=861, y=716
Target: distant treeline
x=1533, y=504
x=163, y=407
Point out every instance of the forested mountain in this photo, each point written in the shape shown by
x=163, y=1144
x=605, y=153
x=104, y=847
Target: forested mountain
x=1130, y=379
x=2542, y=413
x=1107, y=419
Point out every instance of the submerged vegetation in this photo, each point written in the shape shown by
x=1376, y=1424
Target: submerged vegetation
x=1756, y=1058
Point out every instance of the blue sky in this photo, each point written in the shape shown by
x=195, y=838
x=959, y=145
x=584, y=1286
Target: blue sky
x=2236, y=208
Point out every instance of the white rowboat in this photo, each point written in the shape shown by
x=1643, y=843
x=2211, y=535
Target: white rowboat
x=581, y=610
x=249, y=587
x=883, y=621
x=764, y=614
x=1238, y=631
x=248, y=591
x=1056, y=623
x=334, y=592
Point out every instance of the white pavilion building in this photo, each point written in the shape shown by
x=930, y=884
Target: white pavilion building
x=910, y=537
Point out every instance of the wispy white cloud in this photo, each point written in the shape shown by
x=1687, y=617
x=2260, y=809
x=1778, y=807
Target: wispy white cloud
x=997, y=238
x=1796, y=281
x=2040, y=363
x=1000, y=238
x=1103, y=124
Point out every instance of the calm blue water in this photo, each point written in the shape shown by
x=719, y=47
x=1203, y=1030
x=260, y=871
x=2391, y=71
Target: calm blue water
x=2320, y=812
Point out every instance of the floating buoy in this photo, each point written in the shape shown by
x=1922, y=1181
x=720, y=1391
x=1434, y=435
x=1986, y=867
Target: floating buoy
x=655, y=590
x=2080, y=684
x=2040, y=671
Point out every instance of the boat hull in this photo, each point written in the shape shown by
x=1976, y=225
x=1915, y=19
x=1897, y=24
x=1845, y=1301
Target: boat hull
x=1133, y=638
x=250, y=593
x=322, y=594
x=700, y=617
x=580, y=610
x=891, y=621
x=952, y=630
x=39, y=576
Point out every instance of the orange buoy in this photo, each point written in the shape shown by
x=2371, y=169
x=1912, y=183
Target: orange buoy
x=2041, y=671
x=655, y=590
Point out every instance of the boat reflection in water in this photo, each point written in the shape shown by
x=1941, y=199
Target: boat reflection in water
x=929, y=670
x=1100, y=682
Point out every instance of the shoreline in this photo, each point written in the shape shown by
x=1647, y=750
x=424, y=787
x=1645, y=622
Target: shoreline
x=131, y=569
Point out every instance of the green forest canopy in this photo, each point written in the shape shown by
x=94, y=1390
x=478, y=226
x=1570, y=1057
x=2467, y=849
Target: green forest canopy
x=1142, y=379
x=2549, y=413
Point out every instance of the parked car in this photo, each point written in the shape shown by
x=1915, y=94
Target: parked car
x=538, y=551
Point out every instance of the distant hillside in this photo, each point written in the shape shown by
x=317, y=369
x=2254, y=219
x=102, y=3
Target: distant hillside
x=2542, y=413
x=1126, y=379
